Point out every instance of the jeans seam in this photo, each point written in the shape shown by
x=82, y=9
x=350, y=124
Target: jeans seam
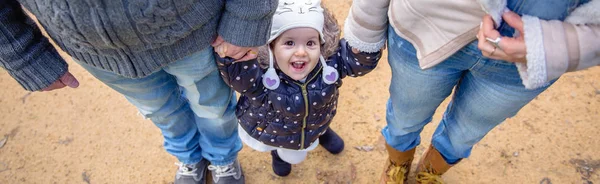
x=479, y=59
x=454, y=96
x=519, y=7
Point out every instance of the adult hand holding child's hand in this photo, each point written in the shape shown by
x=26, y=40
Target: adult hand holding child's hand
x=226, y=49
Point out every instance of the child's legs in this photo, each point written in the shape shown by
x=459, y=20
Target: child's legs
x=414, y=93
x=292, y=156
x=488, y=94
x=158, y=98
x=213, y=103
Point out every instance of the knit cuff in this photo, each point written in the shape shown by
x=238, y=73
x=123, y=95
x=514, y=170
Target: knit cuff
x=244, y=33
x=357, y=43
x=41, y=71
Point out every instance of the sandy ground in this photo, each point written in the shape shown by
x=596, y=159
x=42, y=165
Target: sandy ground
x=93, y=135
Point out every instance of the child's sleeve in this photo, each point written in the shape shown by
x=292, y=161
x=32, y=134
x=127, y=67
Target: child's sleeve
x=244, y=77
x=349, y=64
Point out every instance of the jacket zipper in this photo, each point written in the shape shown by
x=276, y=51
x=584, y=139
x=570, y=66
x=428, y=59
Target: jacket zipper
x=305, y=96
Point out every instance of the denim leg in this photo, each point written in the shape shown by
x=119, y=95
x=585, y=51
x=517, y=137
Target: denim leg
x=213, y=103
x=414, y=93
x=158, y=98
x=488, y=94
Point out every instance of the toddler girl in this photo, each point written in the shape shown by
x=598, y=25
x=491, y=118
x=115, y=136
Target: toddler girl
x=287, y=106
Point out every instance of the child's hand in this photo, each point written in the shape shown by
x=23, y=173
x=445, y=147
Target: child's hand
x=225, y=49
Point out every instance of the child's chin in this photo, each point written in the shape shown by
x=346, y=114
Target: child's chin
x=298, y=77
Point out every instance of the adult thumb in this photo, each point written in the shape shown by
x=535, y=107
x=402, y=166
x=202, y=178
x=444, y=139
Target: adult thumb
x=218, y=41
x=514, y=20
x=69, y=80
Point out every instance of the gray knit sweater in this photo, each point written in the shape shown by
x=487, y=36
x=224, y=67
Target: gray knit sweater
x=132, y=38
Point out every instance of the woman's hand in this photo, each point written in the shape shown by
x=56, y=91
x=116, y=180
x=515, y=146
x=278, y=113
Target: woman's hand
x=510, y=49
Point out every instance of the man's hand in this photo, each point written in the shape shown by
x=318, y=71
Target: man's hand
x=66, y=80
x=225, y=49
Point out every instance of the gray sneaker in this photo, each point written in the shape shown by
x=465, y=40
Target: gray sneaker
x=191, y=173
x=227, y=174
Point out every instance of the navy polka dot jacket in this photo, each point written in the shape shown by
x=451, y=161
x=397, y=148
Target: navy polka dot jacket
x=295, y=114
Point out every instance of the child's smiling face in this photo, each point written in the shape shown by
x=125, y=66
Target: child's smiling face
x=297, y=51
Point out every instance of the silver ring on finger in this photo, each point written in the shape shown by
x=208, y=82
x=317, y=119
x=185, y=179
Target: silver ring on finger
x=495, y=42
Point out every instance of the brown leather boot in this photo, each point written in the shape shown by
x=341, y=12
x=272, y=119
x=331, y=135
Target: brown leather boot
x=397, y=166
x=431, y=167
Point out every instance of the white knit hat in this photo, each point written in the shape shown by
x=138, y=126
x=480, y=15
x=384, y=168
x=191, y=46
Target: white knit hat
x=297, y=13
x=294, y=14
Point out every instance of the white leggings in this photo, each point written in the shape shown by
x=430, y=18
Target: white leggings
x=287, y=155
x=292, y=156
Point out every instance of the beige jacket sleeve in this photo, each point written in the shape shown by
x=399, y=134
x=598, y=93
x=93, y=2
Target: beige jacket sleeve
x=570, y=47
x=366, y=26
x=556, y=47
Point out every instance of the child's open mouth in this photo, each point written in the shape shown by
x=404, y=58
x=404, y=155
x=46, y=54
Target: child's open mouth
x=298, y=65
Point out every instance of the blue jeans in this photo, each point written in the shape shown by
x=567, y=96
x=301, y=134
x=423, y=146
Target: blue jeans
x=486, y=93
x=190, y=104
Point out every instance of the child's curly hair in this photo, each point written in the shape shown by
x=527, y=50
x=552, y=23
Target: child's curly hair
x=331, y=32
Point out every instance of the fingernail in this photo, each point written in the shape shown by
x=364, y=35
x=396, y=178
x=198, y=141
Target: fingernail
x=505, y=10
x=75, y=84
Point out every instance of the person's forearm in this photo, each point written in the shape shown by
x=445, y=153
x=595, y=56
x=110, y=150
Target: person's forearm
x=24, y=52
x=246, y=23
x=366, y=25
